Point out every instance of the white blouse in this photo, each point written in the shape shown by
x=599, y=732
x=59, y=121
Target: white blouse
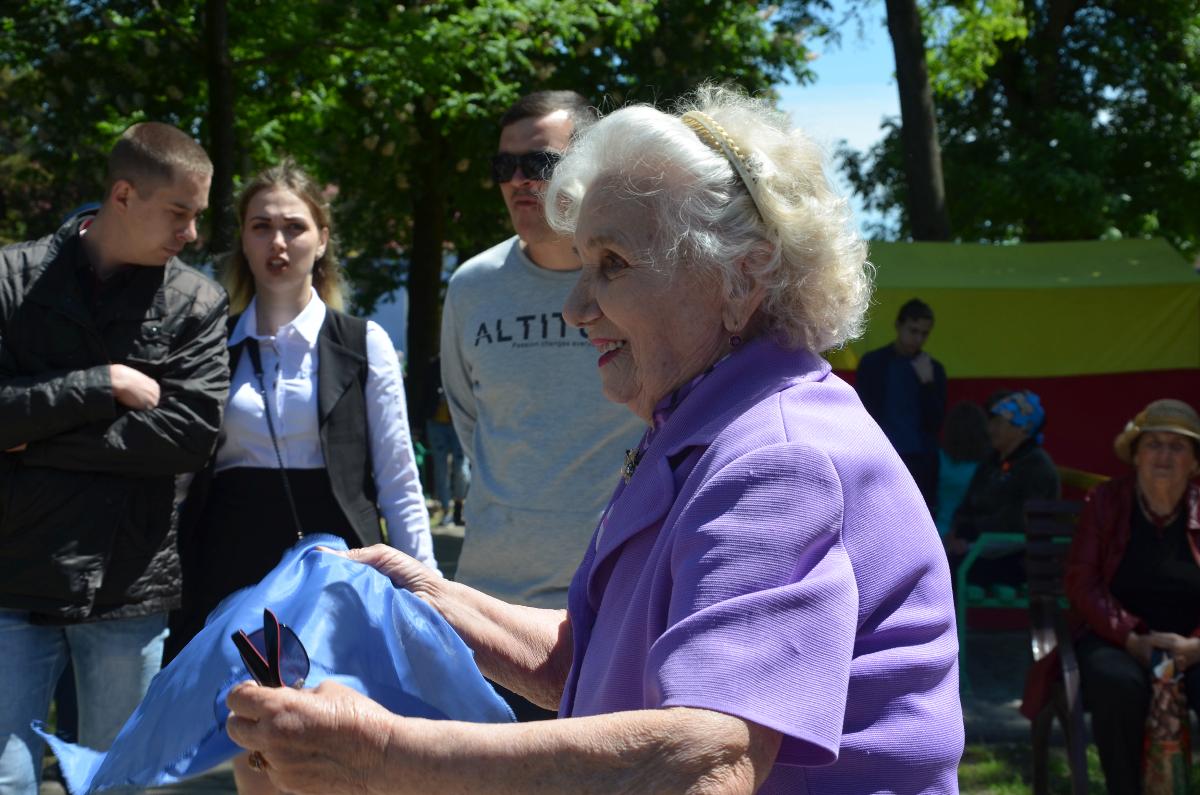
x=289, y=361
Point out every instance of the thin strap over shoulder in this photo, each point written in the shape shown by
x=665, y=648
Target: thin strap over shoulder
x=251, y=347
x=235, y=351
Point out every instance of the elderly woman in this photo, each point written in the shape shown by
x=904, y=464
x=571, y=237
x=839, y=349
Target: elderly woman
x=1018, y=469
x=764, y=605
x=1133, y=579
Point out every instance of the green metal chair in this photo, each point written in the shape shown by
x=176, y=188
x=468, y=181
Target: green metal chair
x=1070, y=477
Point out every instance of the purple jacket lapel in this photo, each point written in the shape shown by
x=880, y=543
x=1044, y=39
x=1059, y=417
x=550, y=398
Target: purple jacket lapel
x=761, y=369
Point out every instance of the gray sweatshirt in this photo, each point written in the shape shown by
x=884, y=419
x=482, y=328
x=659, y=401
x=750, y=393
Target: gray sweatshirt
x=545, y=446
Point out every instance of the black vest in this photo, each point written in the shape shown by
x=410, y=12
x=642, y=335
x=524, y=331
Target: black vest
x=341, y=421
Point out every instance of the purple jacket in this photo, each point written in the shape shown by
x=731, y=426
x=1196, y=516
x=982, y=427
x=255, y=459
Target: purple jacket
x=772, y=559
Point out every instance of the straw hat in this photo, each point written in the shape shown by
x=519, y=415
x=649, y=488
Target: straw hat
x=1171, y=416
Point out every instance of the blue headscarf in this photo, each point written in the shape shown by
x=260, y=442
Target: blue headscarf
x=1024, y=410
x=357, y=628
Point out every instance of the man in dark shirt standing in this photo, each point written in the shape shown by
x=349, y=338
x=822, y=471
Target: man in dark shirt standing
x=904, y=389
x=113, y=377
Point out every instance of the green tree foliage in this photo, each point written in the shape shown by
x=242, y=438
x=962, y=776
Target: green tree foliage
x=1059, y=119
x=394, y=106
x=59, y=65
x=965, y=39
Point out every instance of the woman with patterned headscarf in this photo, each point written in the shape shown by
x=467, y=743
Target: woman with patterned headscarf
x=1018, y=470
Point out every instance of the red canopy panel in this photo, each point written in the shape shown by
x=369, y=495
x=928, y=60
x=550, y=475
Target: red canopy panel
x=1084, y=413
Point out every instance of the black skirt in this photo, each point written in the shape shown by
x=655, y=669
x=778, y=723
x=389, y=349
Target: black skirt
x=245, y=527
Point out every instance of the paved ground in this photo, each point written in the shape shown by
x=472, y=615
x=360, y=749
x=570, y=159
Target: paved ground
x=991, y=685
x=995, y=669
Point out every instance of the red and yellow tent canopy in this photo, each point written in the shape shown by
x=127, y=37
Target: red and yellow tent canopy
x=1097, y=329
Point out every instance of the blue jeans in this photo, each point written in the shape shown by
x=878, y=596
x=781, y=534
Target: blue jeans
x=114, y=663
x=443, y=445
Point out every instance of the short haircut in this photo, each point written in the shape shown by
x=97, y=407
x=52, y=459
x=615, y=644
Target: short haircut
x=914, y=309
x=543, y=103
x=150, y=154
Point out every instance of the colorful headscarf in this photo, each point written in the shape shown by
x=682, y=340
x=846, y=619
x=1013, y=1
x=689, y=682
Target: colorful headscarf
x=1024, y=410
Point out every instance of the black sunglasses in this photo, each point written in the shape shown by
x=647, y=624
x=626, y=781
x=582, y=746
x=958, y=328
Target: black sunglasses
x=534, y=165
x=273, y=655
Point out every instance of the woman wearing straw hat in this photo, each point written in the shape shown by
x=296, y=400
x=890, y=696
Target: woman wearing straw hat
x=1133, y=578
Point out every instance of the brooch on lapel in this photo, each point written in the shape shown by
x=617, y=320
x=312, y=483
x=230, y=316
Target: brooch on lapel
x=632, y=459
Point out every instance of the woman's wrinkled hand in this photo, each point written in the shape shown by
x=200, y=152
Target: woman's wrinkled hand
x=1184, y=650
x=1140, y=647
x=403, y=570
x=328, y=739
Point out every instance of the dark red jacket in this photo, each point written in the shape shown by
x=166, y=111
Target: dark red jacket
x=1096, y=551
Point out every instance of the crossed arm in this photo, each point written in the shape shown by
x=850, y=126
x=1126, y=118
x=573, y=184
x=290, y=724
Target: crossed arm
x=113, y=418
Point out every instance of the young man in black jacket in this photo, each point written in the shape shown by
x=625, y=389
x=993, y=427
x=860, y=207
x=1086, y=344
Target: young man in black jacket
x=113, y=377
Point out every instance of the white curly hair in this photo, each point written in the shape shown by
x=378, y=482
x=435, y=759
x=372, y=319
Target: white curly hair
x=802, y=248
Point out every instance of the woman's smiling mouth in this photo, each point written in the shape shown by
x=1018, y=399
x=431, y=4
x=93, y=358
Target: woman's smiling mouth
x=608, y=349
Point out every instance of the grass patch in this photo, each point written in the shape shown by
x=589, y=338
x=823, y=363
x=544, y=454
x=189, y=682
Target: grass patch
x=997, y=770
x=1007, y=769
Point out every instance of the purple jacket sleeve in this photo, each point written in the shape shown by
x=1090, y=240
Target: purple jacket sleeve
x=764, y=604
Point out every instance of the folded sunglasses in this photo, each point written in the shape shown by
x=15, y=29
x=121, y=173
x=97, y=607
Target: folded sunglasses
x=273, y=655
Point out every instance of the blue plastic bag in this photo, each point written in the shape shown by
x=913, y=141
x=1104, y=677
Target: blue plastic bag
x=358, y=629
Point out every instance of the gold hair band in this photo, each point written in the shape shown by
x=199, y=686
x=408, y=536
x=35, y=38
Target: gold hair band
x=709, y=131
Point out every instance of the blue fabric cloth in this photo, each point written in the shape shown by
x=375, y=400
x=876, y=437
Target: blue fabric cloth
x=358, y=629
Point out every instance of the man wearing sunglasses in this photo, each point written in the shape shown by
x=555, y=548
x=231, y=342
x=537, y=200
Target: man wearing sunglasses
x=522, y=385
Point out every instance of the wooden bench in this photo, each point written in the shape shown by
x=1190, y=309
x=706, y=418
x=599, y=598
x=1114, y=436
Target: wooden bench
x=1074, y=480
x=1049, y=528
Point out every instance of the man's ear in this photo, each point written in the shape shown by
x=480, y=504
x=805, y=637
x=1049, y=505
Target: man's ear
x=121, y=192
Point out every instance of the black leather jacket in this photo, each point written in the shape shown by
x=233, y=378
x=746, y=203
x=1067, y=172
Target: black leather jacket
x=88, y=508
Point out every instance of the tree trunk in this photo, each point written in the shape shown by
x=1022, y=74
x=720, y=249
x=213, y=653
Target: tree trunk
x=426, y=253
x=918, y=134
x=220, y=124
